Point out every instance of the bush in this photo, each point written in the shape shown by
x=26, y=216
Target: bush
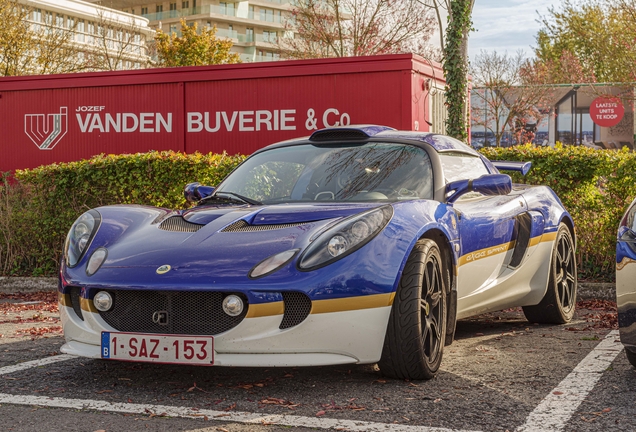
x=596, y=187
x=37, y=210
x=39, y=205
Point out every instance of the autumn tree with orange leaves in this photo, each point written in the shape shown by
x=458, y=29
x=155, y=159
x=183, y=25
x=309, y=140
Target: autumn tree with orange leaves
x=593, y=41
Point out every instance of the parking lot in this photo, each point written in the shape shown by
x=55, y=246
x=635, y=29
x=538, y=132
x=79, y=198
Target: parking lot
x=500, y=374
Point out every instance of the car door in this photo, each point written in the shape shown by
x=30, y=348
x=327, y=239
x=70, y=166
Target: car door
x=488, y=228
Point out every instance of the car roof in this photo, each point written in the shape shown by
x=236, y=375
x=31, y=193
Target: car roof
x=441, y=143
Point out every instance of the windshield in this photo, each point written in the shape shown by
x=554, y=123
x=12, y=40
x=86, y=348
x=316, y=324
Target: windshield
x=369, y=172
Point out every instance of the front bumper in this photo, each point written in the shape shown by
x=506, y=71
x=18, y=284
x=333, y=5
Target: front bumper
x=323, y=338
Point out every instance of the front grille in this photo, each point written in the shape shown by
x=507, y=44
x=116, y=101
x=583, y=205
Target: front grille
x=193, y=313
x=242, y=226
x=74, y=294
x=297, y=308
x=179, y=224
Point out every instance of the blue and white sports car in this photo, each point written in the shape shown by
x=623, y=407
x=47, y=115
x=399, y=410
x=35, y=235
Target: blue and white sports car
x=355, y=245
x=625, y=286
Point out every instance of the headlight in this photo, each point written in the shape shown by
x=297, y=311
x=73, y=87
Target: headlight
x=80, y=237
x=345, y=237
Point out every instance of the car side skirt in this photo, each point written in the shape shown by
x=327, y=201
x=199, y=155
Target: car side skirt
x=505, y=287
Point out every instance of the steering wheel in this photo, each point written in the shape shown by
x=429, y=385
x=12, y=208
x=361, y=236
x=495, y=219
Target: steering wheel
x=388, y=191
x=324, y=196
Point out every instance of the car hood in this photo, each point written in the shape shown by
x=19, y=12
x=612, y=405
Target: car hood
x=210, y=243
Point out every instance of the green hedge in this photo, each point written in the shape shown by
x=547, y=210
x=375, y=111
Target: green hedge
x=37, y=210
x=39, y=205
x=596, y=186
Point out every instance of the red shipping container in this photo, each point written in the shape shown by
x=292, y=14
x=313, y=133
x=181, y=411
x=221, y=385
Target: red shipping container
x=233, y=108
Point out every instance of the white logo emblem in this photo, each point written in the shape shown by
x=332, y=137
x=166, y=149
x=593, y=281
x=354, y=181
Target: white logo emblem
x=46, y=130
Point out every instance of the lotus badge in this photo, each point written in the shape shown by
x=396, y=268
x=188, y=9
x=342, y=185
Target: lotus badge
x=163, y=269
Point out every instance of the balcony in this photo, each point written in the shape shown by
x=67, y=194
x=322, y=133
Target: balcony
x=271, y=39
x=246, y=38
x=264, y=15
x=227, y=34
x=199, y=10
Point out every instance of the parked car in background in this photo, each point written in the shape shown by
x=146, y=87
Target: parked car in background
x=354, y=245
x=626, y=282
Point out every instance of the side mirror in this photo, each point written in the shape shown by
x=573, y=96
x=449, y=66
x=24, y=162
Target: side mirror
x=488, y=184
x=195, y=192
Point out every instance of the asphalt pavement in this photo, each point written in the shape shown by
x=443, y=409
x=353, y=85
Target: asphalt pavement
x=500, y=374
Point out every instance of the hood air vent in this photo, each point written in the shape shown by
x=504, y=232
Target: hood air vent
x=179, y=224
x=242, y=226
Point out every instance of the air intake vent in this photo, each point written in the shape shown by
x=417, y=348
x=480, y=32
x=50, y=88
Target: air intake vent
x=297, y=308
x=74, y=294
x=179, y=224
x=338, y=135
x=242, y=226
x=523, y=228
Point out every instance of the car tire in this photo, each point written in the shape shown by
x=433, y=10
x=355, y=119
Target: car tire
x=559, y=302
x=416, y=332
x=631, y=356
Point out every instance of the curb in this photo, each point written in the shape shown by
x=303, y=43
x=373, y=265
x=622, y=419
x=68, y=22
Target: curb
x=596, y=291
x=8, y=285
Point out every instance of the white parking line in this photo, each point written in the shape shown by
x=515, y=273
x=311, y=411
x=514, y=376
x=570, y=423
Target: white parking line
x=555, y=410
x=35, y=363
x=239, y=417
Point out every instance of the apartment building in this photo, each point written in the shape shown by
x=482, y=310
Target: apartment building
x=97, y=28
x=253, y=25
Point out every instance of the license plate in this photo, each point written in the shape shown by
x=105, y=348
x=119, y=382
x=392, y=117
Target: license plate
x=158, y=348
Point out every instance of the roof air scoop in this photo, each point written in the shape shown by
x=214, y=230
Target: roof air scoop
x=359, y=132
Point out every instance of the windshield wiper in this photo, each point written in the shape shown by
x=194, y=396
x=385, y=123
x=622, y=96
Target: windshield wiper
x=233, y=197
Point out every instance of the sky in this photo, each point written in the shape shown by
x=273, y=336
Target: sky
x=506, y=25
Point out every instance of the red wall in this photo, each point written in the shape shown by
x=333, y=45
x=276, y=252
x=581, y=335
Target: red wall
x=62, y=118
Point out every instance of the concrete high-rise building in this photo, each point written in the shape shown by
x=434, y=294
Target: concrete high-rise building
x=253, y=25
x=118, y=36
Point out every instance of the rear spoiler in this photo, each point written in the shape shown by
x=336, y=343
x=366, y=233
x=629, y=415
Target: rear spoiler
x=522, y=167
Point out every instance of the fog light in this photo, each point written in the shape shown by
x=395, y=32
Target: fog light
x=233, y=305
x=103, y=301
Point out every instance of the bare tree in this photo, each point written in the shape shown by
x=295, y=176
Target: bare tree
x=506, y=95
x=115, y=43
x=343, y=28
x=35, y=42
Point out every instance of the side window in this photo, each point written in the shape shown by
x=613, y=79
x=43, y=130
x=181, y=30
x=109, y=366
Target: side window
x=460, y=166
x=271, y=180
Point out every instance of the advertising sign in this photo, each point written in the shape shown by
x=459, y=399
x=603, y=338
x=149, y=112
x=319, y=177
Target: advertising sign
x=231, y=108
x=607, y=112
